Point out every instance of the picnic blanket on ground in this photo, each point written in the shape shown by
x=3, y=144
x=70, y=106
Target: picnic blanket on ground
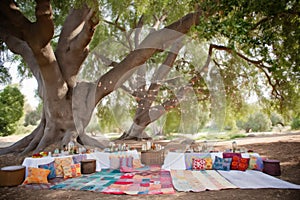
x=35, y=186
x=146, y=182
x=96, y=182
x=197, y=181
x=252, y=179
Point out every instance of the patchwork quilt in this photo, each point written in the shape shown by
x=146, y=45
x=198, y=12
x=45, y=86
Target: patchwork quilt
x=197, y=181
x=146, y=182
x=96, y=182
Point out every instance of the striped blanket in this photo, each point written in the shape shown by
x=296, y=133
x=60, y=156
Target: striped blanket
x=197, y=181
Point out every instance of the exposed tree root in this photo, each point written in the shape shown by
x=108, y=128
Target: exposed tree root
x=25, y=144
x=88, y=141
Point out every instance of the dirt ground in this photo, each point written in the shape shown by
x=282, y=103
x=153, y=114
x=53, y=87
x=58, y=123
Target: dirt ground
x=283, y=147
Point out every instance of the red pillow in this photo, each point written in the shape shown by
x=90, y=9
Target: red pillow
x=239, y=163
x=198, y=164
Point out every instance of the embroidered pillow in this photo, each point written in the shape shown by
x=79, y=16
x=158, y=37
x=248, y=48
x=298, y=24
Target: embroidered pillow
x=188, y=157
x=72, y=171
x=137, y=163
x=222, y=163
x=126, y=162
x=37, y=175
x=256, y=163
x=59, y=163
x=51, y=167
x=209, y=164
x=239, y=163
x=114, y=162
x=198, y=164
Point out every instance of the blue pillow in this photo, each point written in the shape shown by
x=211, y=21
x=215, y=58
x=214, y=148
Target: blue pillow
x=222, y=163
x=51, y=167
x=78, y=158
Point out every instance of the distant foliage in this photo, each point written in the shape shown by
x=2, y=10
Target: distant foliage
x=296, y=123
x=258, y=122
x=11, y=109
x=276, y=119
x=33, y=117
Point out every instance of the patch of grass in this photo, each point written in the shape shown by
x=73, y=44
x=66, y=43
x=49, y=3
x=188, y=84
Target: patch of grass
x=237, y=135
x=225, y=136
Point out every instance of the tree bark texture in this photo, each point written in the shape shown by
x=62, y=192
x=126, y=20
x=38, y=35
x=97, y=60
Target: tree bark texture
x=67, y=104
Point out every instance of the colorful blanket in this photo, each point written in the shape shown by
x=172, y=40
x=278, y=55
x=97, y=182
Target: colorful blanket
x=96, y=182
x=146, y=182
x=51, y=183
x=252, y=179
x=197, y=181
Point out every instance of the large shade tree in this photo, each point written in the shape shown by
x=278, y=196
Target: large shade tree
x=262, y=39
x=68, y=104
x=253, y=46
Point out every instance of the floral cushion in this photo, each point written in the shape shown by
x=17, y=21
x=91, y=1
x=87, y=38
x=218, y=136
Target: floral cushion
x=188, y=157
x=202, y=163
x=126, y=161
x=114, y=162
x=222, y=163
x=256, y=163
x=72, y=171
x=239, y=163
x=59, y=163
x=198, y=164
x=51, y=167
x=37, y=175
x=137, y=163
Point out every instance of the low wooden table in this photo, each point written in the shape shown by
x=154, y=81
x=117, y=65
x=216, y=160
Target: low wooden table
x=152, y=157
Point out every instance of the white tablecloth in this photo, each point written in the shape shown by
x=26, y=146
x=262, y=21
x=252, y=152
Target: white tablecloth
x=176, y=161
x=102, y=159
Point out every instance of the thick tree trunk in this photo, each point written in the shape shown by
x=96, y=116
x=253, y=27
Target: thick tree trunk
x=145, y=114
x=68, y=105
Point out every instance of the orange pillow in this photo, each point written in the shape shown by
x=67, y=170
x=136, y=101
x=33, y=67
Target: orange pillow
x=72, y=171
x=59, y=163
x=239, y=163
x=37, y=175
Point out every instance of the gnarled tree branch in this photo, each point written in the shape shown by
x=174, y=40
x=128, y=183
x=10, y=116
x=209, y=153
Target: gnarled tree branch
x=152, y=43
x=72, y=46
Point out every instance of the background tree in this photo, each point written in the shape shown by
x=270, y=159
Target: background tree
x=33, y=117
x=257, y=122
x=67, y=104
x=248, y=46
x=11, y=109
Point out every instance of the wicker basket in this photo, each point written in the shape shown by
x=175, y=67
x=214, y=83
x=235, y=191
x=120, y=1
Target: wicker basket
x=88, y=166
x=12, y=175
x=152, y=157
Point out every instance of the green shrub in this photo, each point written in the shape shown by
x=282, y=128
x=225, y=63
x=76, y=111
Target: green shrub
x=295, y=123
x=11, y=109
x=258, y=122
x=276, y=119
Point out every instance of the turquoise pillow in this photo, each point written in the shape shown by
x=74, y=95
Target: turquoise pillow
x=51, y=167
x=222, y=163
